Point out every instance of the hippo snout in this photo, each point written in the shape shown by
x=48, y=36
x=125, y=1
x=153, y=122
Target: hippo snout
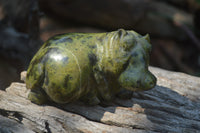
x=137, y=80
x=148, y=81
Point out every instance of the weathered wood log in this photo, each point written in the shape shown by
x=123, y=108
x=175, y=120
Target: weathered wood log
x=172, y=106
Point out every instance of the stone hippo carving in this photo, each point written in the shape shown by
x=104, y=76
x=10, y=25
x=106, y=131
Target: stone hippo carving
x=91, y=67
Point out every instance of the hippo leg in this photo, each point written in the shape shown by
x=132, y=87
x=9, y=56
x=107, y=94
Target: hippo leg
x=90, y=99
x=38, y=96
x=34, y=80
x=125, y=94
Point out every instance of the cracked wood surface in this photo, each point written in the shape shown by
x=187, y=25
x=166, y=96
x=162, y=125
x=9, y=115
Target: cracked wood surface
x=172, y=106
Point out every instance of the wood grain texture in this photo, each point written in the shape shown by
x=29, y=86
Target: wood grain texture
x=172, y=106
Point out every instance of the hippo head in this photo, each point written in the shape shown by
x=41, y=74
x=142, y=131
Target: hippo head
x=135, y=75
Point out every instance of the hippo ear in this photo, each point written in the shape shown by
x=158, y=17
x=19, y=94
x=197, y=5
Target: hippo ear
x=146, y=37
x=121, y=33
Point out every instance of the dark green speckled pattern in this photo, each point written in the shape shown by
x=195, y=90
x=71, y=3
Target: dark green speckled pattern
x=91, y=67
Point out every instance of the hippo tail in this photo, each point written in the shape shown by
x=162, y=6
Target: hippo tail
x=35, y=73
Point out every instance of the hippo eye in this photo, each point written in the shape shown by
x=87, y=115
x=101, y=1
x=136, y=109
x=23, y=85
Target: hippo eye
x=126, y=64
x=128, y=44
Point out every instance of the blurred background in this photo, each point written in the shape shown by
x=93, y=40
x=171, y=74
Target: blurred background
x=173, y=25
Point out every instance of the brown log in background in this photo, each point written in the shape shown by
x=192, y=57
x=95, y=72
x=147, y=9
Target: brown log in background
x=144, y=16
x=172, y=106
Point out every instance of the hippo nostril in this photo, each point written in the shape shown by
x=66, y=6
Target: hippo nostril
x=151, y=84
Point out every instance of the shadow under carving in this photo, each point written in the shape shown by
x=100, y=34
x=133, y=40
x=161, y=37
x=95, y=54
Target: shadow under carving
x=154, y=110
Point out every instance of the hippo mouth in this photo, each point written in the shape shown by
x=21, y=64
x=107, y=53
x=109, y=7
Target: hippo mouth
x=142, y=86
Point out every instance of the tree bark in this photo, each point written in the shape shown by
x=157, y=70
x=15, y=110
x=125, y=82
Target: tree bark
x=172, y=106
